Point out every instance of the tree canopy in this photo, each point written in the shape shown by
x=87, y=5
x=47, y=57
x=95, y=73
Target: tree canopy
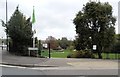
x=20, y=32
x=95, y=26
x=116, y=48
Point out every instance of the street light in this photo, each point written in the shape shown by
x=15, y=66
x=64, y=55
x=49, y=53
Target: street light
x=6, y=25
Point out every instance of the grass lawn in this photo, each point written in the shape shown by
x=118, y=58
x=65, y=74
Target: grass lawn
x=56, y=53
x=109, y=56
x=64, y=54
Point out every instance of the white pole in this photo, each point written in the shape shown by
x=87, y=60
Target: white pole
x=33, y=39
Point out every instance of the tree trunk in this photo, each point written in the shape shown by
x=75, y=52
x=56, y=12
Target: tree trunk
x=99, y=51
x=99, y=55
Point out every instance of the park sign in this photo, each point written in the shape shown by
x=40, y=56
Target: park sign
x=94, y=47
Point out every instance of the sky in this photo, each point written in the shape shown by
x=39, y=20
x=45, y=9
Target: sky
x=53, y=17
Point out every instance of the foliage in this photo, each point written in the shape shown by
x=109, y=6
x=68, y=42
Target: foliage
x=95, y=26
x=19, y=30
x=111, y=56
x=64, y=43
x=71, y=48
x=36, y=42
x=81, y=54
x=53, y=42
x=116, y=48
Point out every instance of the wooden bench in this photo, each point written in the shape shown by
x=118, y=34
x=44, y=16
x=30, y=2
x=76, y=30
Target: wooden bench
x=32, y=49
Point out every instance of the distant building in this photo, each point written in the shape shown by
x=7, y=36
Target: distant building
x=119, y=17
x=45, y=46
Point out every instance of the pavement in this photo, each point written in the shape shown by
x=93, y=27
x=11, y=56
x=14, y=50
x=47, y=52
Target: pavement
x=9, y=59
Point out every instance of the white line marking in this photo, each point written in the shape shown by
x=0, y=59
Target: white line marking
x=33, y=68
x=11, y=66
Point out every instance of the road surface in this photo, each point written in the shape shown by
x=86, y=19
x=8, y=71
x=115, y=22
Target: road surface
x=16, y=70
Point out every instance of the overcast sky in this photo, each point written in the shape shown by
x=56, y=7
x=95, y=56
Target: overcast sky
x=53, y=17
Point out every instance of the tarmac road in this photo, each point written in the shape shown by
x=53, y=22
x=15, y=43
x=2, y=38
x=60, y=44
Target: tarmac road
x=16, y=70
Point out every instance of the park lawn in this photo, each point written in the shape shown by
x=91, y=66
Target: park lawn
x=44, y=53
x=109, y=56
x=56, y=53
x=65, y=53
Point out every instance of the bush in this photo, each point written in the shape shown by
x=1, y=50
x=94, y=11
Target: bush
x=69, y=56
x=81, y=54
x=116, y=48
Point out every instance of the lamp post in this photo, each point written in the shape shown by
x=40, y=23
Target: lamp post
x=6, y=25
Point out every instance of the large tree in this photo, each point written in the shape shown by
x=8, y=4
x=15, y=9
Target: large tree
x=20, y=32
x=95, y=26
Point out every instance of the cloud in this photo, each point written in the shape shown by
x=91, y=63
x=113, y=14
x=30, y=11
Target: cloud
x=53, y=17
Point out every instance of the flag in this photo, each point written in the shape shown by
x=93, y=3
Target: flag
x=33, y=16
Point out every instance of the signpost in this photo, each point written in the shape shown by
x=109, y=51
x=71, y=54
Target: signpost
x=33, y=49
x=94, y=47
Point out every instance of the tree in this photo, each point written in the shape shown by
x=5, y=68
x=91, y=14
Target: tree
x=116, y=48
x=53, y=42
x=36, y=42
x=95, y=26
x=64, y=43
x=20, y=32
x=109, y=39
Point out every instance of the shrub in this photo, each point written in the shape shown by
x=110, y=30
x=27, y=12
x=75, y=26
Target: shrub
x=69, y=56
x=81, y=54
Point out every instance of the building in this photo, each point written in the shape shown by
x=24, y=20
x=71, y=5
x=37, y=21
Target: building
x=119, y=17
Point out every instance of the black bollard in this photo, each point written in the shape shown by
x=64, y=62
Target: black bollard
x=49, y=49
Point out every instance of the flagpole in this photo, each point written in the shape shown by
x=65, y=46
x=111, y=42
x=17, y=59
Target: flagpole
x=33, y=22
x=34, y=39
